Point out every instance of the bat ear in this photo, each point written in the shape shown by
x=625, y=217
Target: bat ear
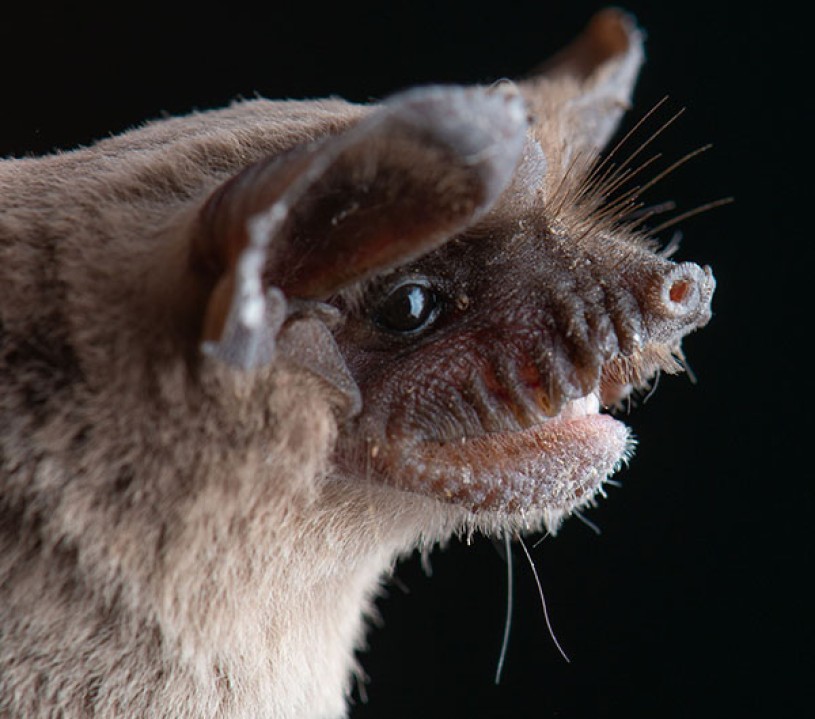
x=597, y=72
x=416, y=171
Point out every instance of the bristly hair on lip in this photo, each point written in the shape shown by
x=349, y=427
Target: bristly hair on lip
x=623, y=375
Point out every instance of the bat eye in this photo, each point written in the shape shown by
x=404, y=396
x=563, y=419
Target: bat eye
x=408, y=308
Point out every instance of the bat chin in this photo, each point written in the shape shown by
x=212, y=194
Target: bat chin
x=547, y=468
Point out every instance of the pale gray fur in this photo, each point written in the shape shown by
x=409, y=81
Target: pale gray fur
x=173, y=539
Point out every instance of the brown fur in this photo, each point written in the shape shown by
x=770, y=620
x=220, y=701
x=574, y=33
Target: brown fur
x=174, y=538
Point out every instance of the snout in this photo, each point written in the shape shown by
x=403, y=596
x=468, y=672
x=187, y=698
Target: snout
x=679, y=301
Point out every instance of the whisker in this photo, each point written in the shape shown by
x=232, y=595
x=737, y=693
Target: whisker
x=620, y=207
x=640, y=217
x=543, y=601
x=673, y=167
x=599, y=185
x=628, y=175
x=599, y=172
x=591, y=525
x=692, y=213
x=596, y=210
x=589, y=199
x=546, y=535
x=653, y=386
x=508, y=619
x=562, y=194
x=632, y=193
x=673, y=245
x=600, y=165
x=615, y=211
x=654, y=135
x=686, y=366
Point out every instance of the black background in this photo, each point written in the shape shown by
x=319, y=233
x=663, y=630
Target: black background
x=693, y=600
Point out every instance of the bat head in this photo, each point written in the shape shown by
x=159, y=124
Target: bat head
x=488, y=297
x=250, y=356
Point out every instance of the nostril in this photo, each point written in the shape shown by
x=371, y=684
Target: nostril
x=682, y=290
x=679, y=290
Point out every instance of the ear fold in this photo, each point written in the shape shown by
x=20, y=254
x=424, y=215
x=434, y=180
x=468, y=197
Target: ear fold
x=593, y=78
x=400, y=183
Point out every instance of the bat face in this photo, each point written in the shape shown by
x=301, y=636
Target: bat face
x=252, y=356
x=483, y=366
x=491, y=297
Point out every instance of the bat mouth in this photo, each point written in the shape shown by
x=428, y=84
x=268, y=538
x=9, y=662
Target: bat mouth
x=520, y=454
x=556, y=464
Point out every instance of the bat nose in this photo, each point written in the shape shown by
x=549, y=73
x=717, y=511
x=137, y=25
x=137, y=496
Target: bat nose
x=680, y=300
x=687, y=290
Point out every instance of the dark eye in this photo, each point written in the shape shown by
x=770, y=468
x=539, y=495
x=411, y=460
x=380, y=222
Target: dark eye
x=408, y=308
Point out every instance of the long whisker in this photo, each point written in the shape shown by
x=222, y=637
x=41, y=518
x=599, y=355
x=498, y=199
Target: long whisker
x=621, y=206
x=596, y=205
x=546, y=535
x=673, y=167
x=543, y=601
x=637, y=219
x=692, y=213
x=653, y=387
x=592, y=195
x=633, y=156
x=600, y=166
x=627, y=176
x=591, y=525
x=673, y=245
x=600, y=184
x=508, y=619
x=598, y=171
x=562, y=194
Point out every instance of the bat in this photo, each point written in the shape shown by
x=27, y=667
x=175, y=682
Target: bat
x=252, y=356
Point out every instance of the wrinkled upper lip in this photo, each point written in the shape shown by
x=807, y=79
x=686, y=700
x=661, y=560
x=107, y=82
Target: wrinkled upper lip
x=520, y=408
x=504, y=447
x=552, y=465
x=520, y=427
